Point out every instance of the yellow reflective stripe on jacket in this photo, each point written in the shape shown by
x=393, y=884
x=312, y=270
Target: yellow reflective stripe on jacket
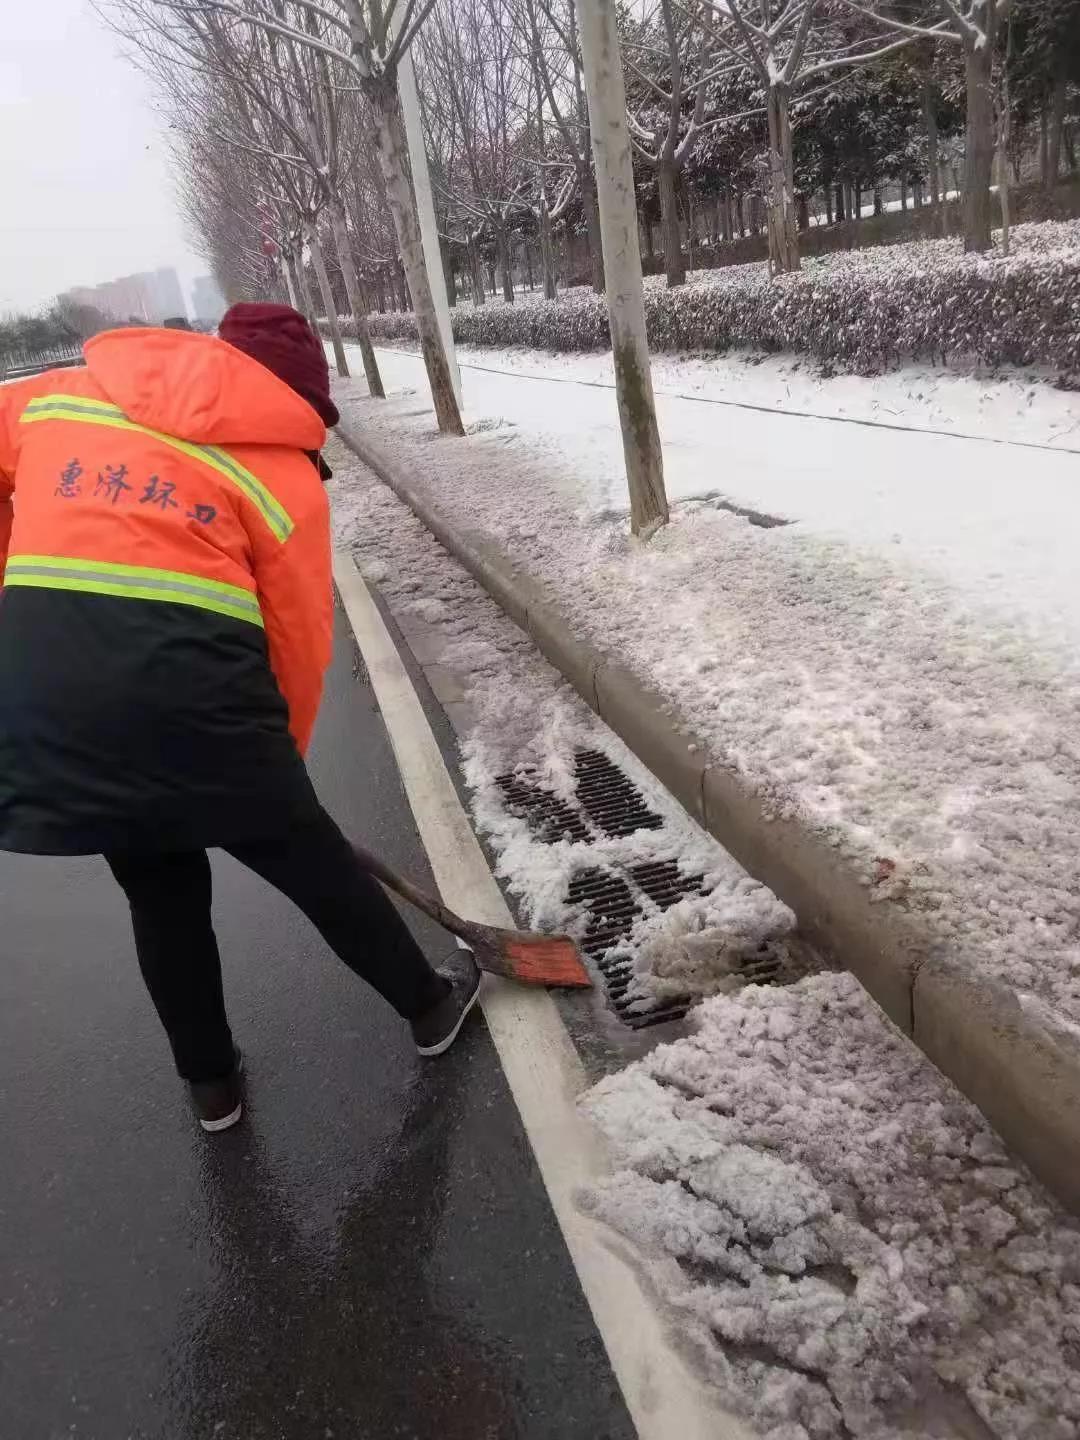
x=82, y=408
x=133, y=582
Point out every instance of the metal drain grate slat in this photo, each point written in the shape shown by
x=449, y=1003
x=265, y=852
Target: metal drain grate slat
x=611, y=907
x=612, y=802
x=664, y=883
x=548, y=817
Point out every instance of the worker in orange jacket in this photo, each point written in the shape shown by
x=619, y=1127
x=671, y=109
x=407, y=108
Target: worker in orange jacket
x=165, y=623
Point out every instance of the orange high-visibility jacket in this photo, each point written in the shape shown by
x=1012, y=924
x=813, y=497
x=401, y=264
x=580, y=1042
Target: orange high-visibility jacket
x=164, y=534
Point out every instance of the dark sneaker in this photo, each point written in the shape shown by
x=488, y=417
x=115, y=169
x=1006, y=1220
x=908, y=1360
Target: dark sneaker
x=437, y=1029
x=219, y=1103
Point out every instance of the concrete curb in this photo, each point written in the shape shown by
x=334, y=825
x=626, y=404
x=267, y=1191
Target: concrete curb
x=1024, y=1076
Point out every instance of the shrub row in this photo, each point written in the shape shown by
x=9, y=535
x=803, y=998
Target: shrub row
x=865, y=311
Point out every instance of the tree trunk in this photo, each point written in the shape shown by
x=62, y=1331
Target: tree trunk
x=604, y=85
x=290, y=279
x=725, y=214
x=879, y=201
x=1069, y=142
x=1003, y=197
x=856, y=200
x=592, y=230
x=1044, y=148
x=674, y=267
x=380, y=289
x=841, y=211
x=449, y=271
x=783, y=225
x=828, y=205
x=650, y=243
x=356, y=302
x=303, y=285
x=506, y=263
x=979, y=143
x=929, y=110
x=476, y=266
x=547, y=253
x=691, y=236
x=394, y=164
x=1057, y=125
x=1004, y=137
x=319, y=264
x=903, y=193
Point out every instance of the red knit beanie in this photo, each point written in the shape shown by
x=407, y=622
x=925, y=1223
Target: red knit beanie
x=281, y=339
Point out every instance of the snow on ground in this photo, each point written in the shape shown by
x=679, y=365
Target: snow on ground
x=532, y=724
x=835, y=1232
x=851, y=684
x=837, y=1229
x=994, y=520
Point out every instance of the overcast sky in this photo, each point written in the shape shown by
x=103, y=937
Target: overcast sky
x=86, y=184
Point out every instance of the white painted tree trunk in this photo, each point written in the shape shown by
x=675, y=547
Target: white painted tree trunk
x=606, y=92
x=425, y=210
x=547, y=252
x=329, y=307
x=307, y=304
x=356, y=301
x=394, y=164
x=291, y=283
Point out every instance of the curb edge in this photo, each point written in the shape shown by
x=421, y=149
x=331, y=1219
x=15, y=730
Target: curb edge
x=1023, y=1076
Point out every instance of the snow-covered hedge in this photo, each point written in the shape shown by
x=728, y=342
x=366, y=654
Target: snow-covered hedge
x=865, y=311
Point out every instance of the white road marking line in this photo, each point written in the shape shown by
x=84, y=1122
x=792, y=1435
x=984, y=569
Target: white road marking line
x=665, y=1399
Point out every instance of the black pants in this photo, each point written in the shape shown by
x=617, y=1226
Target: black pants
x=314, y=866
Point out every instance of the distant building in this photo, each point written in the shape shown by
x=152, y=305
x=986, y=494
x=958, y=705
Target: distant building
x=207, y=300
x=151, y=297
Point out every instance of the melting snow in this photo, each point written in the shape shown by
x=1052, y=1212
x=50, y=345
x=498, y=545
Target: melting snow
x=928, y=735
x=833, y=1229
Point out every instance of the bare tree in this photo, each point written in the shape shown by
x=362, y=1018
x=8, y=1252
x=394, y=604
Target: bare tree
x=471, y=56
x=671, y=79
x=551, y=33
x=363, y=40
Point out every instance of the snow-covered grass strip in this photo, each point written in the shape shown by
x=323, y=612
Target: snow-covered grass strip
x=862, y=310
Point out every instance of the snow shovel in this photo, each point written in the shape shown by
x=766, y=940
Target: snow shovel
x=515, y=954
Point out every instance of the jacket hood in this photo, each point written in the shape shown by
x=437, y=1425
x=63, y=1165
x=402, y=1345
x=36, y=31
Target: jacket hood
x=198, y=388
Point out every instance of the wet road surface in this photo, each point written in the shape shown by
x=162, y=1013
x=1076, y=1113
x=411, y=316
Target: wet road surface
x=370, y=1255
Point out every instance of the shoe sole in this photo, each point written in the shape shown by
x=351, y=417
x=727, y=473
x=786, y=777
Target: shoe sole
x=430, y=1050
x=226, y=1123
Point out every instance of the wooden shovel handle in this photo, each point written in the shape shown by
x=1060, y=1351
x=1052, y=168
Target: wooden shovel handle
x=432, y=908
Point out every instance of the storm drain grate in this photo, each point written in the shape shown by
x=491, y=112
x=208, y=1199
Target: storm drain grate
x=548, y=817
x=612, y=802
x=611, y=897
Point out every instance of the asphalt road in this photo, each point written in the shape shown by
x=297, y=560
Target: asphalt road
x=371, y=1254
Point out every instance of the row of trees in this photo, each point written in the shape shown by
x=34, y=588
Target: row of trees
x=290, y=136
x=740, y=111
